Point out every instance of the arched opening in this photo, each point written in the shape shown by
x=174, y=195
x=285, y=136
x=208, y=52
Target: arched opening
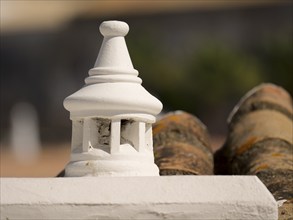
x=133, y=133
x=92, y=133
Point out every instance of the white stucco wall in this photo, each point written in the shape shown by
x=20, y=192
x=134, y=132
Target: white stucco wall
x=169, y=197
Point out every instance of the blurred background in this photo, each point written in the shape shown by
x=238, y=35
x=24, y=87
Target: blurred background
x=197, y=56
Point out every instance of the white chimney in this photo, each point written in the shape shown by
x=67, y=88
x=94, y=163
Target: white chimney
x=112, y=115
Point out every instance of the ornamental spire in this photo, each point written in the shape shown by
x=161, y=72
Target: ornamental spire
x=112, y=115
x=113, y=63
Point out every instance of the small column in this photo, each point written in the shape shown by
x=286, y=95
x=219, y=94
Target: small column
x=139, y=137
x=148, y=136
x=90, y=135
x=86, y=135
x=115, y=136
x=77, y=132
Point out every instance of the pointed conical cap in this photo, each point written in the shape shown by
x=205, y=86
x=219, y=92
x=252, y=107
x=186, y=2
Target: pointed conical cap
x=113, y=57
x=113, y=86
x=114, y=53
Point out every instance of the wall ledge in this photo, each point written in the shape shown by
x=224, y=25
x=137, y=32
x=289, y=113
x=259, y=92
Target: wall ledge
x=164, y=197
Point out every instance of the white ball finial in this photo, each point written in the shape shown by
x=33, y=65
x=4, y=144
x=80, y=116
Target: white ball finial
x=114, y=28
